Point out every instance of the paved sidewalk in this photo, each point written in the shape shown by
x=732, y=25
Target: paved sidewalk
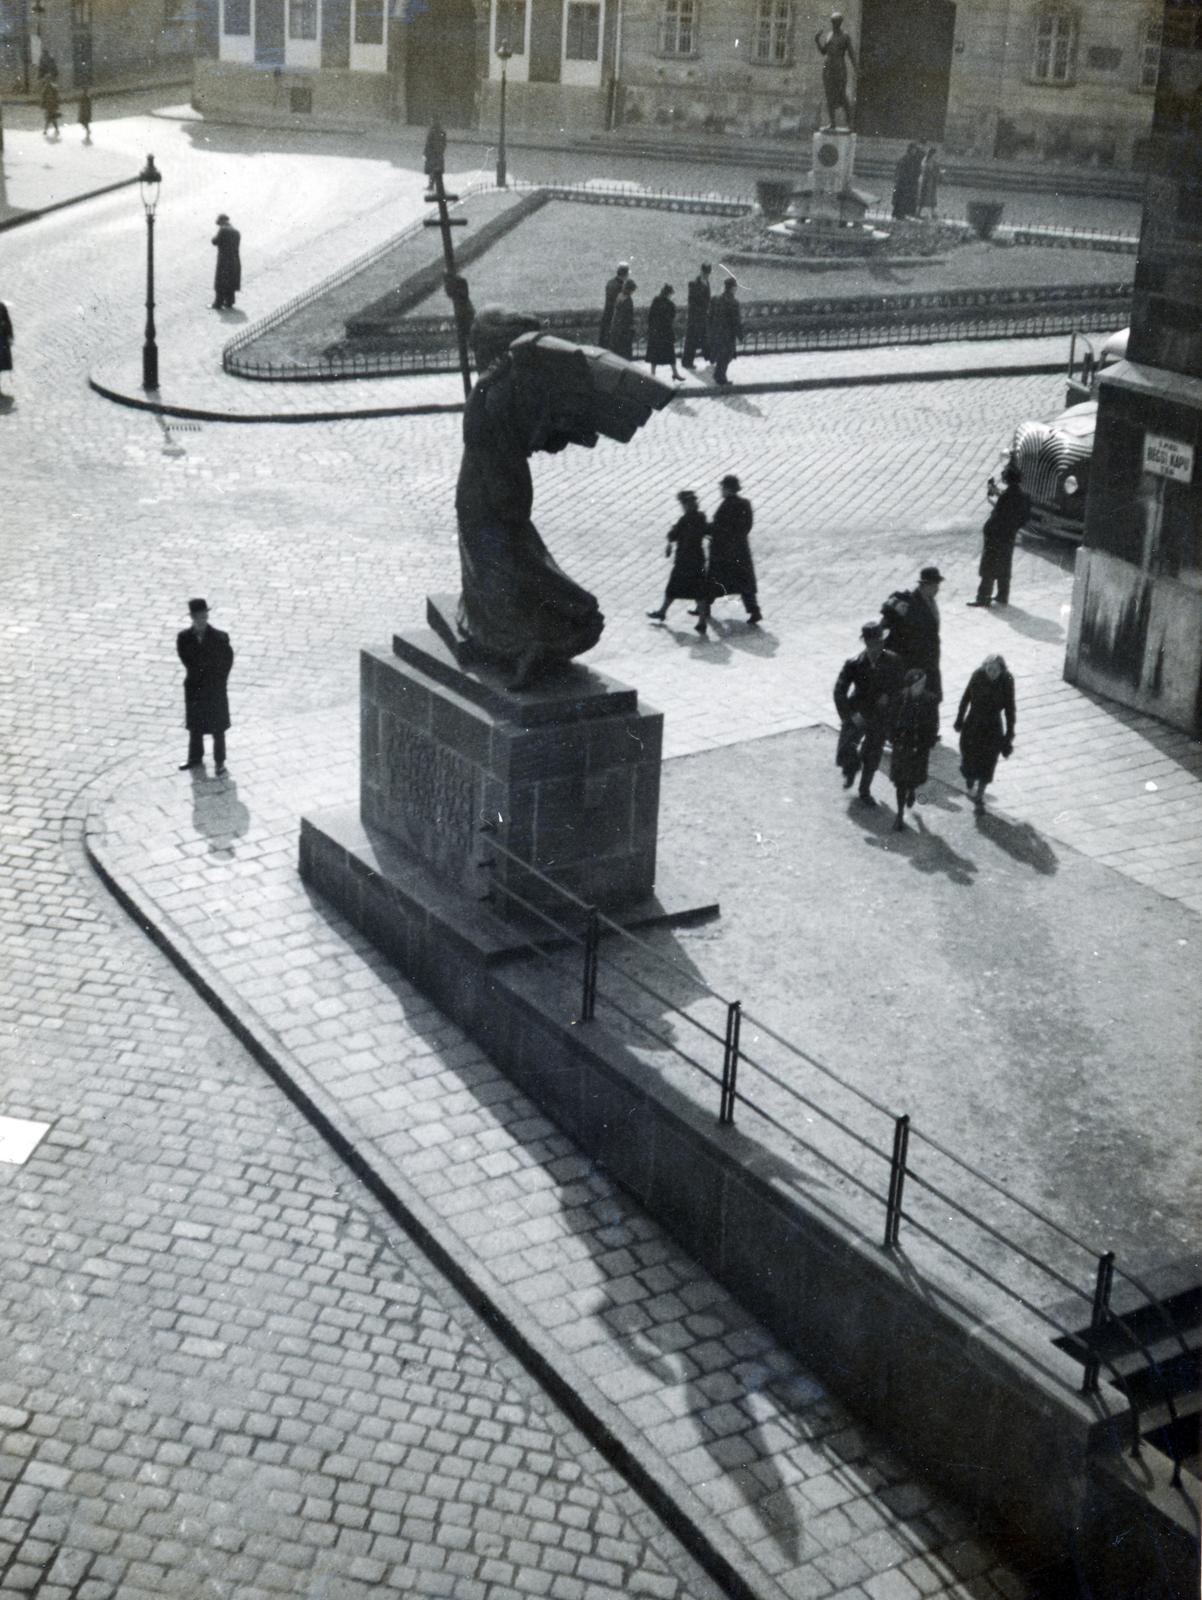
x=730, y=1433
x=38, y=175
x=192, y=383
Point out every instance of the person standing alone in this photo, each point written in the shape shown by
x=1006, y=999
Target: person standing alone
x=1011, y=508
x=228, y=278
x=208, y=659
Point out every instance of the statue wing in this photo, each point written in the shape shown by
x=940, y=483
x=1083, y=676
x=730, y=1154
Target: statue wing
x=574, y=393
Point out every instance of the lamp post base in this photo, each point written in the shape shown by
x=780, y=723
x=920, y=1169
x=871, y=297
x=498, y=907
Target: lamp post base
x=150, y=366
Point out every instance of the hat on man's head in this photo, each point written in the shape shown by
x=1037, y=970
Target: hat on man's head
x=930, y=575
x=687, y=495
x=731, y=482
x=873, y=630
x=197, y=605
x=705, y=267
x=222, y=218
x=623, y=266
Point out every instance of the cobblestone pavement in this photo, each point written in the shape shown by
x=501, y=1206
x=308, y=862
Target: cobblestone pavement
x=188, y=1258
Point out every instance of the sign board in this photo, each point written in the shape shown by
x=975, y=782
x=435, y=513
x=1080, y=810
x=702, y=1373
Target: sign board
x=1168, y=458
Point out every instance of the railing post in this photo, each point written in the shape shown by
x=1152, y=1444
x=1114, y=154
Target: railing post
x=1101, y=1311
x=588, y=987
x=730, y=1063
x=897, y=1181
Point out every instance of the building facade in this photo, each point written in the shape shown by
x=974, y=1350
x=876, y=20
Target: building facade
x=95, y=42
x=1136, y=633
x=1060, y=80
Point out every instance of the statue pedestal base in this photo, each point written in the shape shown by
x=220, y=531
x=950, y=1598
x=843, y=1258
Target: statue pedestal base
x=565, y=774
x=827, y=207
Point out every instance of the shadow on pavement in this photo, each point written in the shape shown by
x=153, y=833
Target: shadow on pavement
x=8, y=402
x=217, y=813
x=1027, y=623
x=926, y=852
x=752, y=641
x=229, y=315
x=738, y=402
x=1020, y=840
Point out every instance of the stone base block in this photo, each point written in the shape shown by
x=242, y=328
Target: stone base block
x=565, y=775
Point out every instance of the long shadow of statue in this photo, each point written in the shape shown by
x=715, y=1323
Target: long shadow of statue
x=218, y=814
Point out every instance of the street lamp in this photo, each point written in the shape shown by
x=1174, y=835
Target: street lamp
x=503, y=54
x=149, y=180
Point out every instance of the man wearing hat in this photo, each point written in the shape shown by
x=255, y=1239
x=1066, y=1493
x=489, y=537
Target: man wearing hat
x=731, y=569
x=864, y=692
x=1011, y=508
x=696, y=331
x=613, y=289
x=228, y=278
x=207, y=658
x=725, y=330
x=911, y=618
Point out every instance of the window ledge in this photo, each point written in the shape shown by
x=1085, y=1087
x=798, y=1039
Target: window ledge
x=1053, y=83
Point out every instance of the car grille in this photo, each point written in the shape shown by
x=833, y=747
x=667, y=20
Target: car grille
x=1045, y=457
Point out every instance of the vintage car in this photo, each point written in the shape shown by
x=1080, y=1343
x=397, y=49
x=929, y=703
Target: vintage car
x=1054, y=454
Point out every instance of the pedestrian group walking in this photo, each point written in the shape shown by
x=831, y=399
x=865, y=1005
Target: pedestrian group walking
x=865, y=690
x=911, y=618
x=913, y=732
x=713, y=325
x=729, y=568
x=51, y=106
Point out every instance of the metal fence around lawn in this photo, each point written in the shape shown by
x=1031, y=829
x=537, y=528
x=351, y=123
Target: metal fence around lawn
x=976, y=315
x=906, y=1194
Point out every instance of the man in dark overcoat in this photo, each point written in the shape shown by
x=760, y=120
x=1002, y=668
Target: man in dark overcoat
x=613, y=289
x=228, y=278
x=696, y=331
x=864, y=692
x=1011, y=508
x=207, y=657
x=726, y=329
x=731, y=569
x=911, y=618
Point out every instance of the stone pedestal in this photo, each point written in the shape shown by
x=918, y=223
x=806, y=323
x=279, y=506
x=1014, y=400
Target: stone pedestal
x=827, y=206
x=566, y=774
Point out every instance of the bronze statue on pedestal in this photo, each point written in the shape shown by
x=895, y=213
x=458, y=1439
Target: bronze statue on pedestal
x=837, y=51
x=519, y=610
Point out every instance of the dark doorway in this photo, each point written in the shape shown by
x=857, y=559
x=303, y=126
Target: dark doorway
x=440, y=62
x=269, y=33
x=905, y=53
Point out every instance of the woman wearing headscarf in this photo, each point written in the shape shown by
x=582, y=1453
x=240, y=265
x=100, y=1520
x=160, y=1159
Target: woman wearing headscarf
x=661, y=336
x=913, y=729
x=985, y=723
x=687, y=580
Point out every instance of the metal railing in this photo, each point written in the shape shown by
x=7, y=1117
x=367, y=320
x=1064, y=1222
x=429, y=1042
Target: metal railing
x=902, y=1172
x=1012, y=313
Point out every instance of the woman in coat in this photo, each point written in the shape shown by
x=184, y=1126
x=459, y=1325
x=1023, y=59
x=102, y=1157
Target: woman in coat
x=661, y=336
x=913, y=729
x=6, y=339
x=985, y=723
x=621, y=329
x=687, y=580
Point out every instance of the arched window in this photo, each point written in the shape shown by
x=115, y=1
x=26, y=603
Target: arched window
x=1054, y=57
